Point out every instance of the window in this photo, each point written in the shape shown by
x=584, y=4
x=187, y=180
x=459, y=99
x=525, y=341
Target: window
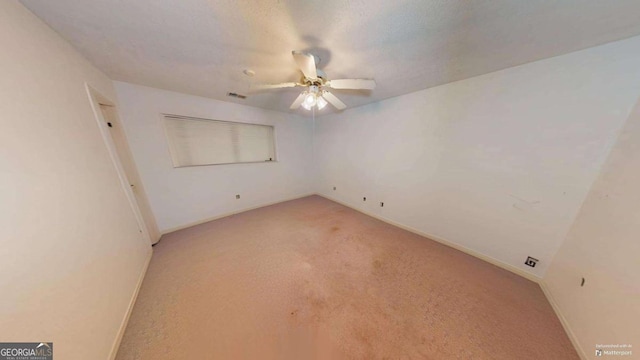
x=194, y=141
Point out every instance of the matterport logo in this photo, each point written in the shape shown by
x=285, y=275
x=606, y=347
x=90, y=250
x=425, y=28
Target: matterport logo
x=26, y=351
x=614, y=350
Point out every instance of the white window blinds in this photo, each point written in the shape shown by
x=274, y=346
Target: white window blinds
x=194, y=141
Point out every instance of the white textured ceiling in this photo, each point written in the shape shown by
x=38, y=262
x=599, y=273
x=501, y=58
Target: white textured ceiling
x=200, y=47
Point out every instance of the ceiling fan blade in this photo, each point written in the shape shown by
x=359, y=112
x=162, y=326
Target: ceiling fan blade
x=352, y=84
x=258, y=87
x=297, y=102
x=333, y=100
x=306, y=63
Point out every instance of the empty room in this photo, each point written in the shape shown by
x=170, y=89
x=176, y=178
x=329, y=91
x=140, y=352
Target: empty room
x=341, y=179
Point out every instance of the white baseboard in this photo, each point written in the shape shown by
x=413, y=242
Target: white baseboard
x=451, y=244
x=448, y=243
x=563, y=320
x=164, y=232
x=125, y=320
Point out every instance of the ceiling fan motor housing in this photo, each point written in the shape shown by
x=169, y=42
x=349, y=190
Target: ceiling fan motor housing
x=322, y=77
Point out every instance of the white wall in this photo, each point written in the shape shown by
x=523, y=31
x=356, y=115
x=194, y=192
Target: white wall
x=499, y=164
x=183, y=196
x=603, y=246
x=70, y=245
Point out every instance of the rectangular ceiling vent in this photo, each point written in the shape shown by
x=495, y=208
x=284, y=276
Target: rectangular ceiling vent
x=239, y=96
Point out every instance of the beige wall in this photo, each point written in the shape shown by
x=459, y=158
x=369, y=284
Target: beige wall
x=70, y=247
x=498, y=164
x=603, y=246
x=183, y=196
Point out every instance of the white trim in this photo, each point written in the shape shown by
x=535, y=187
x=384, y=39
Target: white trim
x=180, y=227
x=563, y=320
x=446, y=242
x=132, y=302
x=95, y=99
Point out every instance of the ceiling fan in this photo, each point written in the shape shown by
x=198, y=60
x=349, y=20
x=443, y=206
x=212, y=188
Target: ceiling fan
x=316, y=82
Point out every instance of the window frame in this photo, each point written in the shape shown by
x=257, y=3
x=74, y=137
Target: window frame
x=164, y=116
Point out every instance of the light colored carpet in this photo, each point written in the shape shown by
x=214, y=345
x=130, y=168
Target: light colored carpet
x=312, y=279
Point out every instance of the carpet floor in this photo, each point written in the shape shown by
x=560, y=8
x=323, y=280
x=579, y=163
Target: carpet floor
x=312, y=279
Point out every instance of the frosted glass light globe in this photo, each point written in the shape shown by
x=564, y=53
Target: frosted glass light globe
x=321, y=103
x=310, y=100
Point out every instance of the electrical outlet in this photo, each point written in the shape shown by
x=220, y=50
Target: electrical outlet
x=238, y=196
x=381, y=204
x=531, y=261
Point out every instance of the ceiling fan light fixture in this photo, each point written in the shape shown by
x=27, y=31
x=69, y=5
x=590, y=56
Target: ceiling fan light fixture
x=321, y=102
x=310, y=100
x=316, y=81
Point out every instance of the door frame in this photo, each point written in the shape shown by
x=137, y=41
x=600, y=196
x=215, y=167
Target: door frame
x=96, y=99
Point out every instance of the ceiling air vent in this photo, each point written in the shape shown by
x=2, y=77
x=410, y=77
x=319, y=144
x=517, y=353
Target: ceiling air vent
x=239, y=96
